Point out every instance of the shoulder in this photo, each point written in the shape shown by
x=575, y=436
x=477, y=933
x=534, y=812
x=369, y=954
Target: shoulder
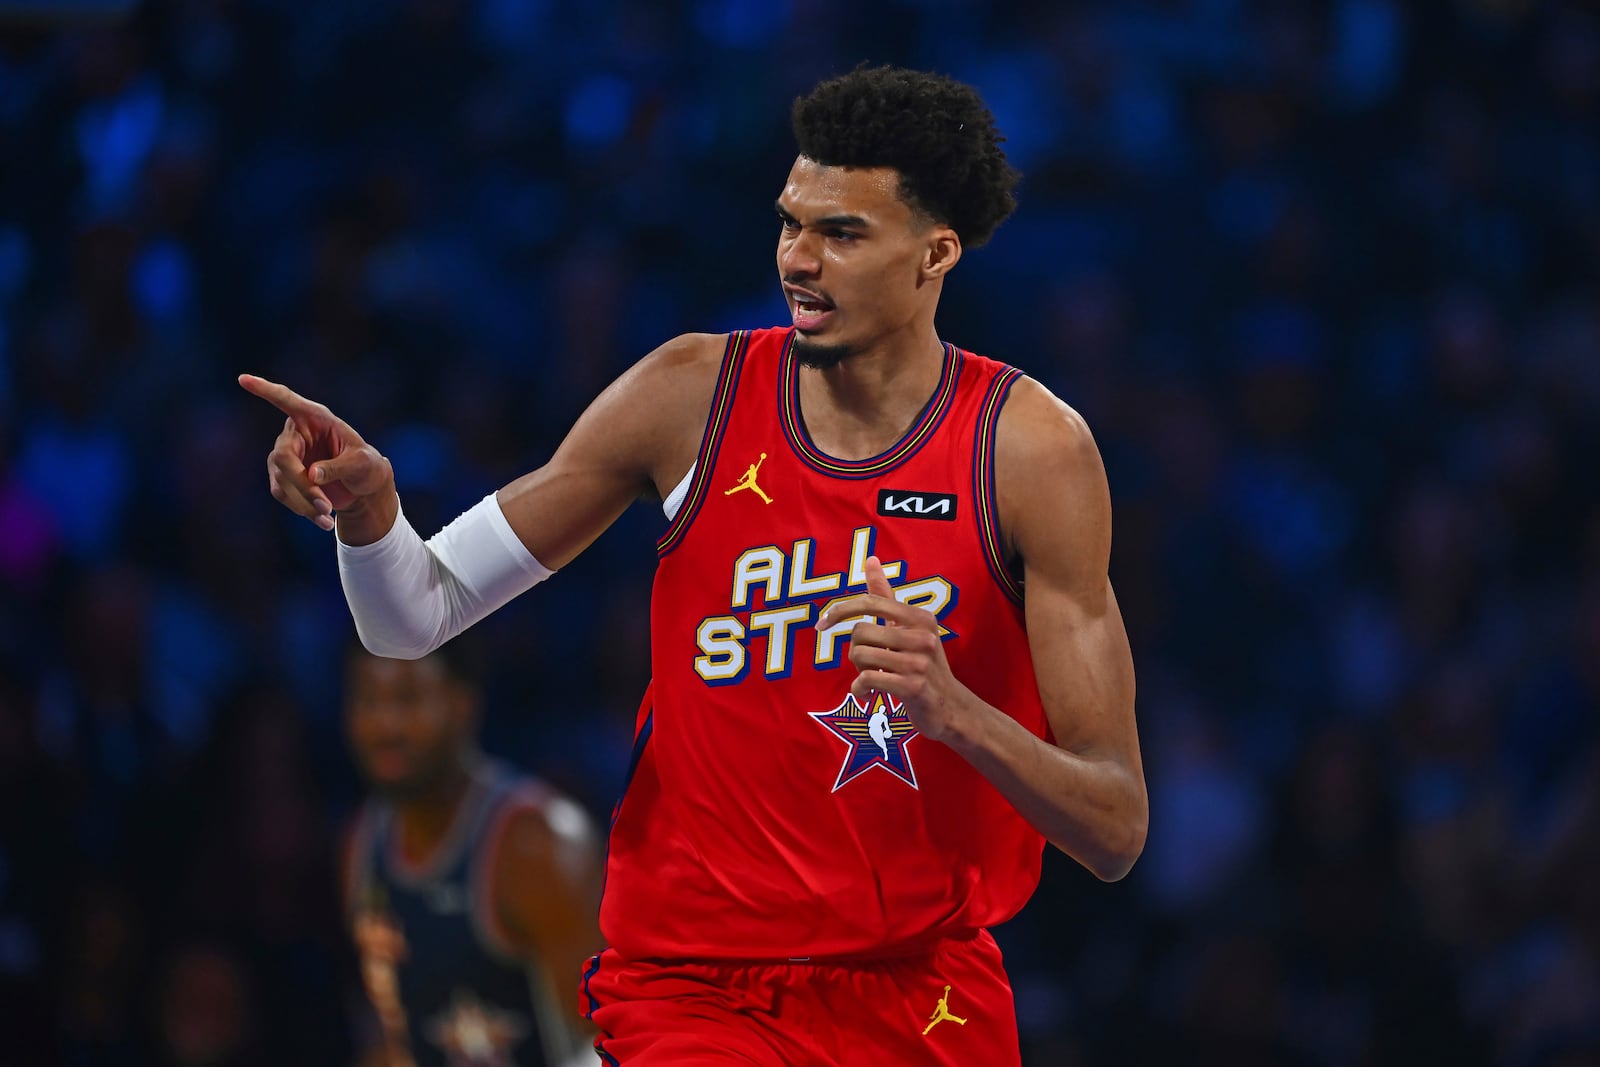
x=645, y=426
x=689, y=350
x=686, y=363
x=540, y=829
x=542, y=861
x=1037, y=427
x=1049, y=475
x=664, y=397
x=680, y=372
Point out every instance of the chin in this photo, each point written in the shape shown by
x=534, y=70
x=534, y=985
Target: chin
x=820, y=355
x=397, y=785
x=392, y=788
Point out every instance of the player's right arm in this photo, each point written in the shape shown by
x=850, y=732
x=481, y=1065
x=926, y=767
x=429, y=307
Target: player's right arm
x=636, y=439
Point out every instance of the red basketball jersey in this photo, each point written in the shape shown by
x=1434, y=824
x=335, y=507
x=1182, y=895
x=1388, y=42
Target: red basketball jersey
x=768, y=815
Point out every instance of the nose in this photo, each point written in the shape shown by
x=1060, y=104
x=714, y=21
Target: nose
x=377, y=719
x=797, y=256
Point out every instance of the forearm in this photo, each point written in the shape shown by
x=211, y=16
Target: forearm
x=1093, y=810
x=408, y=596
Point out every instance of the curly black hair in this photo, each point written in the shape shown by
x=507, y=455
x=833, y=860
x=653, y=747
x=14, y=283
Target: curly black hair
x=463, y=657
x=937, y=132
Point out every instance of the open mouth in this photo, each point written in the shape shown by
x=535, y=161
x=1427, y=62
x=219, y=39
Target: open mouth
x=388, y=762
x=810, y=310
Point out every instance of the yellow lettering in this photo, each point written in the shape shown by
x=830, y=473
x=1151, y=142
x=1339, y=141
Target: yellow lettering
x=827, y=653
x=800, y=584
x=756, y=566
x=931, y=594
x=721, y=641
x=777, y=623
x=860, y=548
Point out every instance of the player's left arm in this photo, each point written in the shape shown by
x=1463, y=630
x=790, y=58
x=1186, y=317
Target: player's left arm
x=1086, y=792
x=547, y=873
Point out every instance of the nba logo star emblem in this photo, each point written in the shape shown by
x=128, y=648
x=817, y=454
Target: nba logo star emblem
x=877, y=734
x=474, y=1034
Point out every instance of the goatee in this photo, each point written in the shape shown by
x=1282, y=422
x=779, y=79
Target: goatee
x=819, y=356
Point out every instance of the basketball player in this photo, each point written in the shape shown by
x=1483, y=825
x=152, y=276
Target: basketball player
x=862, y=519
x=471, y=891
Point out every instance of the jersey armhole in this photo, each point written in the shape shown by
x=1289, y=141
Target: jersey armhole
x=706, y=458
x=983, y=488
x=674, y=502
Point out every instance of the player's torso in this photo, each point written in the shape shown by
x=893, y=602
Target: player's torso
x=445, y=989
x=811, y=823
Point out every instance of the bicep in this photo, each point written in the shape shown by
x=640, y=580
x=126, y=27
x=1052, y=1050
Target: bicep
x=1059, y=514
x=1084, y=667
x=647, y=421
x=558, y=510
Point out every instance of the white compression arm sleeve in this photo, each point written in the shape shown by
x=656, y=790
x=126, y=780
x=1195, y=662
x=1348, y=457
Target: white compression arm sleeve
x=408, y=596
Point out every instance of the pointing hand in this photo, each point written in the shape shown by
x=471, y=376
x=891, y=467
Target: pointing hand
x=318, y=465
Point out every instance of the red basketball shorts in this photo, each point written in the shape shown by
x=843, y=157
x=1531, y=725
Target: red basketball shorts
x=949, y=1004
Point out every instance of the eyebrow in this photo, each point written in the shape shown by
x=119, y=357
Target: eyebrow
x=827, y=220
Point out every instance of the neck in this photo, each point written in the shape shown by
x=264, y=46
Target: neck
x=863, y=405
x=423, y=818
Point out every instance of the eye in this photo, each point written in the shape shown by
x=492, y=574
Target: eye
x=843, y=235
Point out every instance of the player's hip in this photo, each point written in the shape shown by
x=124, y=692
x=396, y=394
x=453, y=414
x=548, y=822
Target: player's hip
x=948, y=1001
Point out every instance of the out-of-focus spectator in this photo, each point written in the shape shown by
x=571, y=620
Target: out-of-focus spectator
x=1322, y=276
x=204, y=1011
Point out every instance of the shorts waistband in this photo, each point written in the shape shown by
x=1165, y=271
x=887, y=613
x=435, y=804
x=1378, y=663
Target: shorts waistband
x=896, y=953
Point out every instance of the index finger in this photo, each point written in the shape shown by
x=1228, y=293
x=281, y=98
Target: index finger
x=279, y=396
x=877, y=581
x=867, y=604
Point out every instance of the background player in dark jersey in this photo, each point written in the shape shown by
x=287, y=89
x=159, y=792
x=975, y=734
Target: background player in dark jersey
x=739, y=940
x=471, y=890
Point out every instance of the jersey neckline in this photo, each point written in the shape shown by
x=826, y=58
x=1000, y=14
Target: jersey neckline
x=447, y=852
x=922, y=428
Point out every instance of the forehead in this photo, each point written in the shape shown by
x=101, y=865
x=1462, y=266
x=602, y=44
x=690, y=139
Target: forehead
x=816, y=190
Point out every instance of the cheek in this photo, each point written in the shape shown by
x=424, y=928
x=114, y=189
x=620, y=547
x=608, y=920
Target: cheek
x=357, y=725
x=891, y=272
x=434, y=728
x=885, y=290
x=366, y=736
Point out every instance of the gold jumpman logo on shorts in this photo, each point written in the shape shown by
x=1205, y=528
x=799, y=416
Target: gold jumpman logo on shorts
x=749, y=481
x=942, y=1013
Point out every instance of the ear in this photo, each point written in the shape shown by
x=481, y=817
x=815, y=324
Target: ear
x=942, y=251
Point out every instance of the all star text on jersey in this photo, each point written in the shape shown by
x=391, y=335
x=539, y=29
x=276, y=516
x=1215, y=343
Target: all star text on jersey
x=792, y=598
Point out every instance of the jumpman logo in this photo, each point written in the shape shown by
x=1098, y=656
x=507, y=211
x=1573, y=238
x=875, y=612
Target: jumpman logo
x=942, y=1013
x=749, y=481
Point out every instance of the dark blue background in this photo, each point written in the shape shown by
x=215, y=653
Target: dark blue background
x=1322, y=277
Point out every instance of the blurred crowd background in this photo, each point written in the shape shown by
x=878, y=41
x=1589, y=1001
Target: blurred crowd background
x=1323, y=276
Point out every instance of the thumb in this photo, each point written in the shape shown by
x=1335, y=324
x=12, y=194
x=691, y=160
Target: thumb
x=355, y=468
x=877, y=581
